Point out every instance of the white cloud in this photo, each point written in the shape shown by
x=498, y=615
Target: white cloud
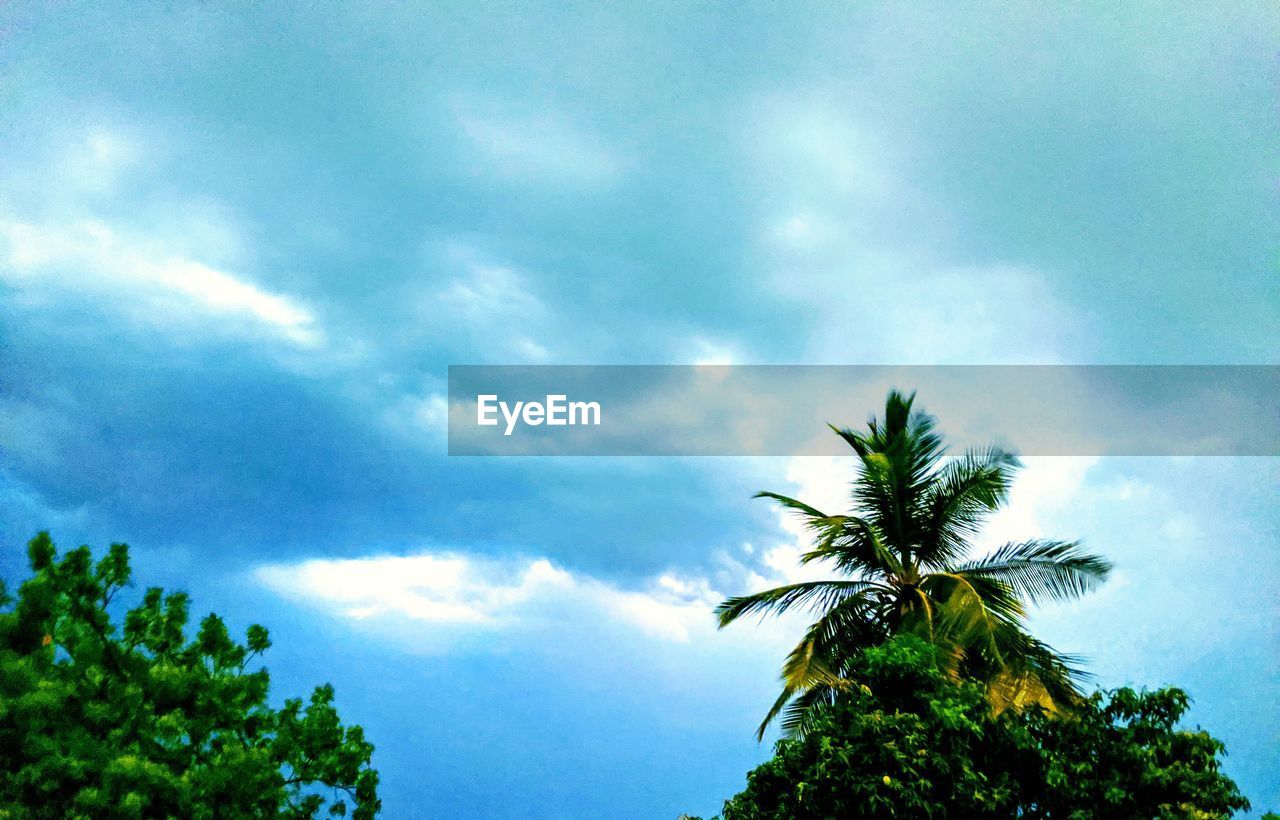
x=829, y=150
x=1044, y=489
x=97, y=161
x=705, y=352
x=432, y=413
x=447, y=601
x=175, y=272
x=845, y=233
x=438, y=588
x=885, y=308
x=421, y=420
x=821, y=482
x=488, y=292
x=90, y=259
x=494, y=304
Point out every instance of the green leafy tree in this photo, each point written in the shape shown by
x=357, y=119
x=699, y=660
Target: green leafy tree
x=1121, y=754
x=905, y=740
x=903, y=553
x=99, y=719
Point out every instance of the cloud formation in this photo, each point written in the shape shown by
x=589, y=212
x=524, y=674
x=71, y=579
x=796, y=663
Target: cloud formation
x=463, y=603
x=91, y=260
x=183, y=190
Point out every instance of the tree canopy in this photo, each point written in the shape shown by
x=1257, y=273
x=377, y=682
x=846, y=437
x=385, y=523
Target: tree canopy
x=903, y=551
x=138, y=719
x=906, y=740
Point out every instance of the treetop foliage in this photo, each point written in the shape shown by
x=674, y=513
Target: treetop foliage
x=910, y=741
x=99, y=719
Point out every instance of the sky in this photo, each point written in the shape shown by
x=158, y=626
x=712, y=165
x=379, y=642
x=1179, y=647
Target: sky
x=240, y=245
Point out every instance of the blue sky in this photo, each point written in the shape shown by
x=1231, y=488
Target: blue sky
x=239, y=247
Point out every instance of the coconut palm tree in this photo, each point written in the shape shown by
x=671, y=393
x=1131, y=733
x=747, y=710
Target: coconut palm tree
x=902, y=553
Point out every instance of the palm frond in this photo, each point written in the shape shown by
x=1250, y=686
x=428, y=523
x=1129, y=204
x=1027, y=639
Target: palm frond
x=855, y=547
x=1017, y=691
x=809, y=664
x=899, y=455
x=849, y=627
x=1025, y=656
x=804, y=677
x=1041, y=657
x=798, y=716
x=1041, y=569
x=854, y=624
x=854, y=438
x=918, y=614
x=970, y=613
x=960, y=496
x=997, y=597
x=818, y=595
x=810, y=514
x=851, y=542
x=776, y=709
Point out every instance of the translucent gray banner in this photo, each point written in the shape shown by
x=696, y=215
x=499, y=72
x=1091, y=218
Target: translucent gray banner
x=783, y=410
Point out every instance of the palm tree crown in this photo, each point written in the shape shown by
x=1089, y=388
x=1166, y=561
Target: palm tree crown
x=902, y=551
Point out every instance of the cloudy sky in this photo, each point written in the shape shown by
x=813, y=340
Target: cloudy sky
x=238, y=249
